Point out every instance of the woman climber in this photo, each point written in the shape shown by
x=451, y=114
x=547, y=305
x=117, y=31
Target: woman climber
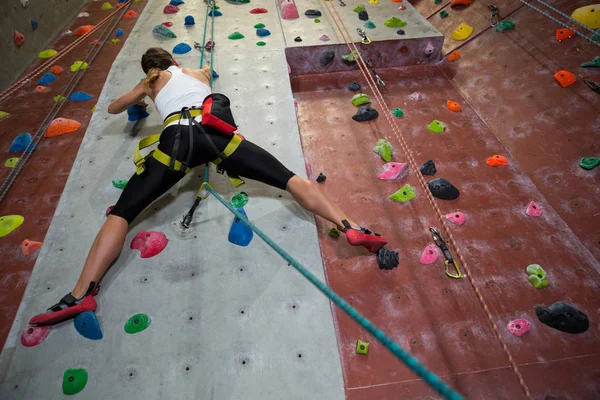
x=198, y=128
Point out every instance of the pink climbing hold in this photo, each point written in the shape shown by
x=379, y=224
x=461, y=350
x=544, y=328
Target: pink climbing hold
x=170, y=9
x=149, y=243
x=108, y=210
x=429, y=49
x=417, y=96
x=533, y=210
x=392, y=170
x=288, y=9
x=18, y=38
x=518, y=327
x=430, y=254
x=34, y=335
x=308, y=167
x=324, y=38
x=457, y=217
x=402, y=8
x=259, y=11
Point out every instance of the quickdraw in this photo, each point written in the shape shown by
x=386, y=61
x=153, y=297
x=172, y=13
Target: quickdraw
x=438, y=239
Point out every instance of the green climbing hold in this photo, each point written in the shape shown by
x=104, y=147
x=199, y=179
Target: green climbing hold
x=58, y=98
x=404, y=194
x=137, y=323
x=589, y=162
x=359, y=8
x=239, y=200
x=398, y=112
x=437, y=126
x=161, y=30
x=595, y=63
x=120, y=183
x=437, y=1
x=384, y=149
x=394, y=22
x=237, y=2
x=443, y=14
x=11, y=162
x=74, y=380
x=78, y=65
x=261, y=43
x=537, y=276
x=259, y=26
x=370, y=25
x=596, y=38
x=317, y=20
x=360, y=98
x=350, y=56
x=47, y=53
x=9, y=223
x=334, y=232
x=235, y=36
x=506, y=25
x=362, y=347
x=3, y=114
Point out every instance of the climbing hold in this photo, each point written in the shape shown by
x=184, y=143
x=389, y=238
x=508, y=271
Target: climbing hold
x=261, y=43
x=354, y=86
x=240, y=234
x=430, y=254
x=74, y=380
x=170, y=9
x=564, y=317
x=317, y=20
x=453, y=106
x=189, y=20
x=370, y=25
x=18, y=38
x=34, y=335
x=592, y=85
x=239, y=200
x=58, y=98
x=404, y=194
x=429, y=49
x=297, y=39
x=588, y=15
x=365, y=114
x=436, y=126
x=34, y=24
x=387, y=259
x=321, y=178
x=209, y=45
x=497, y=161
x=182, y=48
x=29, y=246
x=9, y=223
x=61, y=126
x=56, y=69
x=11, y=162
x=115, y=41
x=235, y=36
x=82, y=30
x=417, y=96
x=137, y=323
x=457, y=218
x=392, y=170
x=363, y=15
x=394, y=23
x=47, y=53
x=563, y=34
x=238, y=1
x=518, y=327
x=324, y=38
x=215, y=76
x=564, y=78
x=351, y=57
x=136, y=112
x=373, y=1
x=334, y=232
x=80, y=96
x=384, y=149
x=88, y=326
x=362, y=347
x=79, y=65
x=176, y=2
x=167, y=24
x=119, y=32
x=400, y=32
x=359, y=8
x=505, y=25
x=259, y=11
x=397, y=112
x=21, y=142
x=108, y=210
x=3, y=114
x=327, y=57
x=162, y=30
x=130, y=14
x=595, y=63
x=428, y=168
x=462, y=32
x=262, y=32
x=119, y=183
x=443, y=14
x=402, y=8
x=533, y=210
x=313, y=13
x=149, y=243
x=360, y=98
x=106, y=6
x=455, y=3
x=40, y=88
x=537, y=276
x=455, y=55
x=437, y=1
x=589, y=162
x=259, y=26
x=442, y=189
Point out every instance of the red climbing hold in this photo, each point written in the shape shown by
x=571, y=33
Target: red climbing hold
x=564, y=78
x=392, y=170
x=288, y=9
x=167, y=24
x=455, y=3
x=149, y=243
x=563, y=34
x=456, y=217
x=29, y=246
x=82, y=30
x=519, y=327
x=259, y=11
x=455, y=55
x=497, y=161
x=95, y=42
x=170, y=9
x=453, y=105
x=19, y=38
x=130, y=14
x=56, y=69
x=34, y=335
x=430, y=255
x=533, y=210
x=61, y=126
x=108, y=210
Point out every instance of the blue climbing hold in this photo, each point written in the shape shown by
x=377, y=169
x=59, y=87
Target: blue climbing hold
x=119, y=32
x=80, y=96
x=135, y=113
x=176, y=2
x=182, y=48
x=189, y=20
x=122, y=1
x=215, y=13
x=263, y=32
x=34, y=24
x=240, y=234
x=214, y=74
x=47, y=78
x=87, y=325
x=20, y=143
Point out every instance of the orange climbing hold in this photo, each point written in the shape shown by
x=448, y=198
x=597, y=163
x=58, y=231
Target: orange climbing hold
x=455, y=3
x=40, y=88
x=130, y=14
x=29, y=246
x=82, y=30
x=453, y=106
x=396, y=1
x=56, y=69
x=455, y=55
x=563, y=34
x=497, y=161
x=565, y=78
x=61, y=126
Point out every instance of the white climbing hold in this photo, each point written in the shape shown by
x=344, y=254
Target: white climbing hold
x=83, y=15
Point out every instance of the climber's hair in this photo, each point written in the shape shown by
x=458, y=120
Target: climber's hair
x=154, y=60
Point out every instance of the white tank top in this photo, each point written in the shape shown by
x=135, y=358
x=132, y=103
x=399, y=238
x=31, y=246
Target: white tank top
x=180, y=91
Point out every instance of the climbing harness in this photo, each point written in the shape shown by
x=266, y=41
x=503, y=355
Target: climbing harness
x=380, y=82
x=438, y=239
x=363, y=35
x=495, y=15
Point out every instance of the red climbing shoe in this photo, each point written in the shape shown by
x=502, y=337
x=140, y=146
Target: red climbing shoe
x=364, y=237
x=68, y=307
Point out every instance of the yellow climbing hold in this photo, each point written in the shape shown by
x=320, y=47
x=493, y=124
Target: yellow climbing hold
x=9, y=223
x=373, y=1
x=77, y=65
x=462, y=32
x=47, y=53
x=11, y=162
x=58, y=98
x=588, y=15
x=115, y=41
x=106, y=6
x=3, y=114
x=94, y=108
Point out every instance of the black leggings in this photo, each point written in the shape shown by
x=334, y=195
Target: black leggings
x=248, y=161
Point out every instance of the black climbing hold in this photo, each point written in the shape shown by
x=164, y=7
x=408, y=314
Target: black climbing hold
x=297, y=39
x=442, y=189
x=327, y=57
x=387, y=259
x=354, y=86
x=365, y=114
x=400, y=32
x=313, y=13
x=428, y=168
x=321, y=178
x=564, y=317
x=363, y=15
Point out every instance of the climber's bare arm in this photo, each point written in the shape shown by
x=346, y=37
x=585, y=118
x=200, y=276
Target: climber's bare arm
x=135, y=96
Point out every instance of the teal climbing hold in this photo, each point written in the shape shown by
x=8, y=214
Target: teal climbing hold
x=437, y=1
x=384, y=149
x=239, y=200
x=370, y=25
x=443, y=14
x=262, y=32
x=360, y=98
x=119, y=183
x=505, y=25
x=259, y=26
x=394, y=23
x=404, y=194
x=537, y=276
x=240, y=234
x=334, y=232
x=88, y=326
x=397, y=112
x=161, y=30
x=589, y=162
x=137, y=323
x=595, y=63
x=437, y=126
x=20, y=143
x=9, y=223
x=235, y=36
x=74, y=380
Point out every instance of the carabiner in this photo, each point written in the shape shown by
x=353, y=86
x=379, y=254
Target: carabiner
x=495, y=16
x=458, y=275
x=342, y=4
x=363, y=35
x=438, y=239
x=380, y=82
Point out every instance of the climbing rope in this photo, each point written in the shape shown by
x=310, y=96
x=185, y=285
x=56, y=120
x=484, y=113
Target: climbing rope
x=37, y=137
x=380, y=100
x=574, y=21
